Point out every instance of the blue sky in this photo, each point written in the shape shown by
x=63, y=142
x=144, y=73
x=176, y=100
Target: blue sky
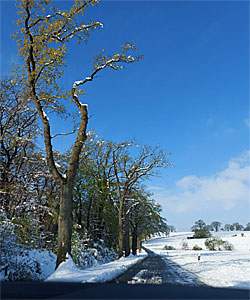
x=190, y=94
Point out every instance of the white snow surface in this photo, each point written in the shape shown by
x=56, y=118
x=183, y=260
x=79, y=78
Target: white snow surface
x=67, y=271
x=47, y=261
x=215, y=268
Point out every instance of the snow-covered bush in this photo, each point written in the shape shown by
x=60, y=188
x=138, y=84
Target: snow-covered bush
x=215, y=244
x=228, y=246
x=167, y=247
x=86, y=254
x=202, y=233
x=21, y=262
x=197, y=248
x=19, y=266
x=184, y=246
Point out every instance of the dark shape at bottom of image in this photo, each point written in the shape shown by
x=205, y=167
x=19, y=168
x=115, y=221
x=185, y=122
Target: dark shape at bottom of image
x=65, y=290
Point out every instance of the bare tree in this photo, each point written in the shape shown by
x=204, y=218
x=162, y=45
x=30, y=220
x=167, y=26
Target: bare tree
x=144, y=216
x=128, y=171
x=18, y=128
x=26, y=188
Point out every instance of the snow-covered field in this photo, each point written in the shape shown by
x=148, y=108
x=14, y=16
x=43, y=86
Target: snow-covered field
x=215, y=268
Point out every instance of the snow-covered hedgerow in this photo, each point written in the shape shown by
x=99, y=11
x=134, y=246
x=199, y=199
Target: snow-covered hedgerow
x=20, y=262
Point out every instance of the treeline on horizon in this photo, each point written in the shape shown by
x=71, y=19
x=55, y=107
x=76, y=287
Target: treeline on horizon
x=217, y=226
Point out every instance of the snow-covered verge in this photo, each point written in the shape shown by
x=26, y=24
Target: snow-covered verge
x=67, y=271
x=20, y=262
x=215, y=268
x=27, y=264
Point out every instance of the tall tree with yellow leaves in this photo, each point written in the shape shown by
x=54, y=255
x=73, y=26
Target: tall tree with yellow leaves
x=42, y=35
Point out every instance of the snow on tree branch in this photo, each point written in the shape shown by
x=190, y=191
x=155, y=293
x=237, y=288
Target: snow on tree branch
x=101, y=62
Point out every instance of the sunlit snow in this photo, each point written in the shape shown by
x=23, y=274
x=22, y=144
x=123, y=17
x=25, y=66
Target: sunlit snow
x=215, y=268
x=67, y=271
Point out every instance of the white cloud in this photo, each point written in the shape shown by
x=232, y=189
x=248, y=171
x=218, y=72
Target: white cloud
x=225, y=190
x=155, y=188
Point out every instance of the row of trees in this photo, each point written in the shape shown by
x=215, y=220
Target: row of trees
x=201, y=229
x=28, y=194
x=236, y=226
x=109, y=202
x=108, y=184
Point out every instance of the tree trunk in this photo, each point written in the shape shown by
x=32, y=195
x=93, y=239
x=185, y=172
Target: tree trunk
x=66, y=195
x=134, y=241
x=126, y=232
x=80, y=212
x=100, y=221
x=88, y=216
x=65, y=222
x=5, y=187
x=120, y=229
x=139, y=243
x=79, y=207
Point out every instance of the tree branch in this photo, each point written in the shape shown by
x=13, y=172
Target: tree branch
x=64, y=134
x=47, y=136
x=117, y=58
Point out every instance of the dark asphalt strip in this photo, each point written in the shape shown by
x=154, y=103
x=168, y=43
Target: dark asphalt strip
x=155, y=269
